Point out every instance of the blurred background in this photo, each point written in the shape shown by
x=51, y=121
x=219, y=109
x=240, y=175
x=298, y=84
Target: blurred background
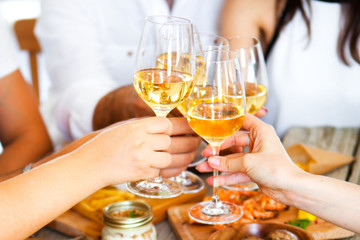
x=13, y=10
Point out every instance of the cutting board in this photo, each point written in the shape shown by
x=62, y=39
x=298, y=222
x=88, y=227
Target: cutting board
x=74, y=224
x=179, y=222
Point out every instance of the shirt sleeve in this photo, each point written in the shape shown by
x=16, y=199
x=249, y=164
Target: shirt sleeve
x=71, y=43
x=8, y=57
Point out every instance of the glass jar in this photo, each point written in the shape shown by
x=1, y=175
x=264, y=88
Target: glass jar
x=128, y=220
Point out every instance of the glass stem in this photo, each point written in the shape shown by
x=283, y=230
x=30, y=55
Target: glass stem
x=158, y=179
x=158, y=113
x=215, y=197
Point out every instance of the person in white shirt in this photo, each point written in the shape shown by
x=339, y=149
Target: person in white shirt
x=313, y=66
x=23, y=134
x=90, y=48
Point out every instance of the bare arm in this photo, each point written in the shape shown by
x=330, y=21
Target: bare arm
x=251, y=17
x=182, y=148
x=39, y=191
x=33, y=199
x=328, y=198
x=22, y=131
x=69, y=148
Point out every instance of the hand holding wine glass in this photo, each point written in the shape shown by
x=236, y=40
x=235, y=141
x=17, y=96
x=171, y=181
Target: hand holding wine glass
x=215, y=118
x=163, y=87
x=254, y=73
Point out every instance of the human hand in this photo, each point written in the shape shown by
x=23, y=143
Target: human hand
x=183, y=148
x=121, y=104
x=267, y=163
x=130, y=151
x=262, y=112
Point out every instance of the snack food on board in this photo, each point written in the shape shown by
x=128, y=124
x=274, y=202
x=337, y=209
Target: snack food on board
x=92, y=206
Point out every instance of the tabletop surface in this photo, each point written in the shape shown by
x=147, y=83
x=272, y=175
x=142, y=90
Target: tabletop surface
x=342, y=140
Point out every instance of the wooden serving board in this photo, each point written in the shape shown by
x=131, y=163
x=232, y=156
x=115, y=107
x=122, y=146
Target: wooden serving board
x=179, y=222
x=74, y=224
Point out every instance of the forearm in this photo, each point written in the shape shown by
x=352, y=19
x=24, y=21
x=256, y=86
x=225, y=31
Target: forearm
x=328, y=198
x=67, y=149
x=251, y=18
x=22, y=131
x=23, y=151
x=28, y=200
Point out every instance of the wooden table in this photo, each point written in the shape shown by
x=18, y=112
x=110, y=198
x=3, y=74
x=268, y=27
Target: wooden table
x=342, y=140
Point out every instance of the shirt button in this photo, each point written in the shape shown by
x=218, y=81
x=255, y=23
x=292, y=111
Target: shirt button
x=130, y=53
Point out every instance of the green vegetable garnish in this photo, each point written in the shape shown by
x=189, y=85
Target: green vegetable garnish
x=301, y=223
x=132, y=214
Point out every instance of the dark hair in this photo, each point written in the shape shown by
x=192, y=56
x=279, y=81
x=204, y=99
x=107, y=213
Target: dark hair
x=350, y=22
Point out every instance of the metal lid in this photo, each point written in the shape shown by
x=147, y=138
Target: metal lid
x=127, y=222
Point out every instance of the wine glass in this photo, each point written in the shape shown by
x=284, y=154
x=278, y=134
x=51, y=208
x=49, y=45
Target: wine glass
x=253, y=69
x=215, y=115
x=190, y=182
x=203, y=42
x=254, y=73
x=164, y=87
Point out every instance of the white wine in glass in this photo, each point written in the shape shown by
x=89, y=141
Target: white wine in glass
x=203, y=41
x=163, y=88
x=162, y=91
x=254, y=73
x=215, y=119
x=189, y=181
x=253, y=70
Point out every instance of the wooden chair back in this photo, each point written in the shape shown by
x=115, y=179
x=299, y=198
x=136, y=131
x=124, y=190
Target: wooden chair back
x=24, y=31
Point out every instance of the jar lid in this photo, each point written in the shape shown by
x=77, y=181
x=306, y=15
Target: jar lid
x=127, y=214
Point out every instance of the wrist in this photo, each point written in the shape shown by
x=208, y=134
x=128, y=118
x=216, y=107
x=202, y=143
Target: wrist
x=89, y=167
x=295, y=189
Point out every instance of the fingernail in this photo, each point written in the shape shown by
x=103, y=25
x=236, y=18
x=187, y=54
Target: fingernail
x=265, y=109
x=214, y=161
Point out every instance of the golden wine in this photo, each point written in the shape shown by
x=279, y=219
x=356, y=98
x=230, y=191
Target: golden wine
x=182, y=63
x=215, y=122
x=199, y=95
x=161, y=89
x=255, y=97
x=182, y=108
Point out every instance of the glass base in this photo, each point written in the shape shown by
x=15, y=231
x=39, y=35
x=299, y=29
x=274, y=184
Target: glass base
x=221, y=213
x=190, y=182
x=153, y=188
x=249, y=186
